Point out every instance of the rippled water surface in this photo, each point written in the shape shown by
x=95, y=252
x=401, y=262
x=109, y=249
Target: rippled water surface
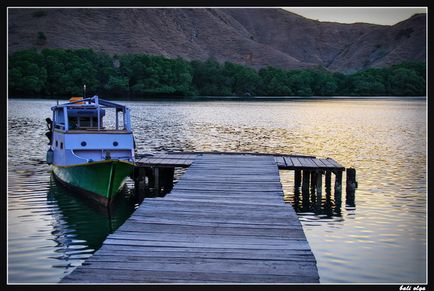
x=380, y=239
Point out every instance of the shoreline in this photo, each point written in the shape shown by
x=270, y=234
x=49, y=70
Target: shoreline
x=241, y=98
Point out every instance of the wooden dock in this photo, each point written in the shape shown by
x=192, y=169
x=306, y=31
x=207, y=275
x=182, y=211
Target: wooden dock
x=225, y=221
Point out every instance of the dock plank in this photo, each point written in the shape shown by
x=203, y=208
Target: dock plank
x=160, y=276
x=333, y=162
x=295, y=162
x=319, y=164
x=328, y=164
x=280, y=161
x=307, y=162
x=288, y=161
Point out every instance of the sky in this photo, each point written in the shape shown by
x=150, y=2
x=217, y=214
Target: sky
x=376, y=15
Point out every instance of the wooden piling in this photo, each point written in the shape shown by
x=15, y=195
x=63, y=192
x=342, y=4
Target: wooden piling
x=351, y=177
x=328, y=186
x=328, y=180
x=328, y=201
x=313, y=176
x=139, y=180
x=305, y=185
x=296, y=203
x=351, y=186
x=338, y=188
x=297, y=178
x=156, y=173
x=318, y=175
x=166, y=178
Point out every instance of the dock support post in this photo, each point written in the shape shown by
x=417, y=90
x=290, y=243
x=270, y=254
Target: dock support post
x=156, y=181
x=328, y=193
x=338, y=188
x=305, y=190
x=328, y=180
x=328, y=187
x=313, y=176
x=351, y=186
x=139, y=180
x=318, y=175
x=167, y=175
x=305, y=185
x=297, y=183
x=297, y=178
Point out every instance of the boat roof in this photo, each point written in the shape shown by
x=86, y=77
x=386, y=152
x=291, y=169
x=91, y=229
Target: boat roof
x=92, y=102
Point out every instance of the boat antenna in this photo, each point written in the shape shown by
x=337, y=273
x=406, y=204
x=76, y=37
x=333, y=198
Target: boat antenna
x=84, y=91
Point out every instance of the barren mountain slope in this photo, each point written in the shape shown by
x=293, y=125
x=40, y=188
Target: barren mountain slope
x=253, y=37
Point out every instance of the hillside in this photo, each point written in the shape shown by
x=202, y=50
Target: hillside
x=252, y=37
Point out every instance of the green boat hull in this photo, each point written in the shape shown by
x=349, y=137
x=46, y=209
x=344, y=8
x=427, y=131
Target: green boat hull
x=100, y=181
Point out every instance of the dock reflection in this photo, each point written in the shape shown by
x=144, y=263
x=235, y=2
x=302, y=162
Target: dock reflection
x=310, y=199
x=310, y=202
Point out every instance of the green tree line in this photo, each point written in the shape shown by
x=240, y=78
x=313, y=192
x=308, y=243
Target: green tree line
x=62, y=73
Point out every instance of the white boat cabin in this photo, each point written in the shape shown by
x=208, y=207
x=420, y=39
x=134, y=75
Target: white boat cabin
x=82, y=131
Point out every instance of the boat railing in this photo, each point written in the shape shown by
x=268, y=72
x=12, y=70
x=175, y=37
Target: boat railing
x=61, y=113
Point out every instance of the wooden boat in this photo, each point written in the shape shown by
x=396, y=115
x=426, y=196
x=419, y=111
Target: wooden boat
x=86, y=155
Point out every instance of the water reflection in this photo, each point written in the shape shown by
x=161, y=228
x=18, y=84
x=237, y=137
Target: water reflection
x=79, y=225
x=310, y=200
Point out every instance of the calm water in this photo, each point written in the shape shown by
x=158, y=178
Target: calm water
x=382, y=239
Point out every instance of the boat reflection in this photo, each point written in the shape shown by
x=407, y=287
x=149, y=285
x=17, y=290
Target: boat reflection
x=81, y=225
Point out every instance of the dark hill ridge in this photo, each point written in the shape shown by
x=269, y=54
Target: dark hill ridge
x=256, y=37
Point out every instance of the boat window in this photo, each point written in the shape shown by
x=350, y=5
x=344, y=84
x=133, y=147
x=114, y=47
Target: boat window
x=57, y=144
x=61, y=145
x=85, y=117
x=85, y=121
x=72, y=122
